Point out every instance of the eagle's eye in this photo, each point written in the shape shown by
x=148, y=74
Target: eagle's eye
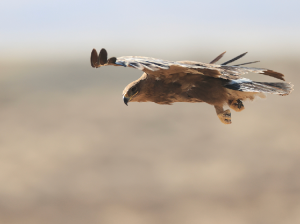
x=134, y=89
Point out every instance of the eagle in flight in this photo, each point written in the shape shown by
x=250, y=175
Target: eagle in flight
x=167, y=82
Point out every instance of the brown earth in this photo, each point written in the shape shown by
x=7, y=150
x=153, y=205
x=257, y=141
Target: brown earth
x=72, y=152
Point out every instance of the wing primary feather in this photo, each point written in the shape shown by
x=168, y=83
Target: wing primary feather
x=148, y=66
x=234, y=59
x=247, y=63
x=137, y=66
x=158, y=65
x=94, y=59
x=103, y=57
x=120, y=63
x=217, y=58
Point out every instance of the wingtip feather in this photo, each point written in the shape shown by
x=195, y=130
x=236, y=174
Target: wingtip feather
x=103, y=56
x=94, y=58
x=217, y=58
x=247, y=63
x=234, y=59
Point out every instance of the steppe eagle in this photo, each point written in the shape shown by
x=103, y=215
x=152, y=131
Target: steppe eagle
x=166, y=82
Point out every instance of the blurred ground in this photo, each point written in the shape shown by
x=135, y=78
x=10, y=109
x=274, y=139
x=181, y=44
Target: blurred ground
x=72, y=152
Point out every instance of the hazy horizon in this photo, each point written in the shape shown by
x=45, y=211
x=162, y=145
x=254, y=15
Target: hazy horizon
x=68, y=30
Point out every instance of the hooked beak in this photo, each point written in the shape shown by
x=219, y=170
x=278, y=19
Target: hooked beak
x=126, y=100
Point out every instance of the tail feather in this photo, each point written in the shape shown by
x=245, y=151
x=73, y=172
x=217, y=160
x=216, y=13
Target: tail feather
x=246, y=85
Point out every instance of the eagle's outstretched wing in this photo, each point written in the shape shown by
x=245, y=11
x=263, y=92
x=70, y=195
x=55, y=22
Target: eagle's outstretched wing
x=157, y=67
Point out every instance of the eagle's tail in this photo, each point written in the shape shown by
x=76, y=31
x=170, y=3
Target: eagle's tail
x=247, y=85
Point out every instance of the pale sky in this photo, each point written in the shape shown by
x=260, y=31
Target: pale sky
x=65, y=29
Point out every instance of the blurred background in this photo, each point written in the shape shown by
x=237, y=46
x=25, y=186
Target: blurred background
x=72, y=152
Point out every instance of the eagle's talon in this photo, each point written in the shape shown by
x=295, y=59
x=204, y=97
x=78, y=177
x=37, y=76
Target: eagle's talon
x=236, y=105
x=225, y=117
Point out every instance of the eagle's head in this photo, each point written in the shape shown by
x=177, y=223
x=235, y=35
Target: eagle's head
x=131, y=91
x=136, y=91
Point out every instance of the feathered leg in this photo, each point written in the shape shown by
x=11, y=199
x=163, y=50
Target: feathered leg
x=224, y=116
x=236, y=105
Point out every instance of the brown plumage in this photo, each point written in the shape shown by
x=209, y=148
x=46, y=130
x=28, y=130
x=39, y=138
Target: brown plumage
x=167, y=82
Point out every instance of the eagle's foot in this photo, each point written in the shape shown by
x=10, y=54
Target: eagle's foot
x=225, y=117
x=236, y=105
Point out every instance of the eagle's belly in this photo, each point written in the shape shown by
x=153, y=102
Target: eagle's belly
x=195, y=89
